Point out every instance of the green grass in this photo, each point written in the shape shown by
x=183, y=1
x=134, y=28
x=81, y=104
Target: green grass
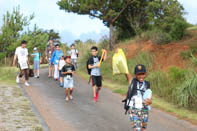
x=8, y=75
x=158, y=102
x=192, y=28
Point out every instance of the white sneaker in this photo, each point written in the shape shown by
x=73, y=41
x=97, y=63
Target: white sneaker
x=35, y=76
x=26, y=84
x=17, y=79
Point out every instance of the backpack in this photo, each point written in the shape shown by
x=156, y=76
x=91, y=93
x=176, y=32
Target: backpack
x=88, y=70
x=76, y=53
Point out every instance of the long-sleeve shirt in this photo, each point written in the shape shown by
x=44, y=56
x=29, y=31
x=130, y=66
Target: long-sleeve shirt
x=56, y=57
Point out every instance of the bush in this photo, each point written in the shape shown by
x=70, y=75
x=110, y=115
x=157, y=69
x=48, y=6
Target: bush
x=156, y=36
x=178, y=29
x=144, y=58
x=186, y=54
x=185, y=94
x=177, y=75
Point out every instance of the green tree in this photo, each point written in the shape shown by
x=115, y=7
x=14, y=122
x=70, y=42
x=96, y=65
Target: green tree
x=13, y=25
x=106, y=10
x=54, y=36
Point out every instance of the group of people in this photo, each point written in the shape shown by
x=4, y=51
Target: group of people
x=139, y=95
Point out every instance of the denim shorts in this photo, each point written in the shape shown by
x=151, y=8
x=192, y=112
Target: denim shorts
x=68, y=82
x=36, y=65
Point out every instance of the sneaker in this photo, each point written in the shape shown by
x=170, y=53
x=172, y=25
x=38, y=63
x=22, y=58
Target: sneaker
x=26, y=84
x=17, y=79
x=71, y=97
x=66, y=99
x=35, y=76
x=95, y=100
x=38, y=76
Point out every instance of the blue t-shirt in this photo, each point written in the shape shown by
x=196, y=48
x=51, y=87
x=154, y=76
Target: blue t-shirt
x=36, y=56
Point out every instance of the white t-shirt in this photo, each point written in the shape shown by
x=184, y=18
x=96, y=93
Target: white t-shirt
x=61, y=64
x=22, y=54
x=73, y=53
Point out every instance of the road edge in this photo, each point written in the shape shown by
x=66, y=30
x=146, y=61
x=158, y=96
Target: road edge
x=35, y=110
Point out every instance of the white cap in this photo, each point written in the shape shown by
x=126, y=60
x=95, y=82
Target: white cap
x=35, y=48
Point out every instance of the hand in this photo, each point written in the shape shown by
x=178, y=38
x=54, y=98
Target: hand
x=103, y=50
x=98, y=66
x=148, y=102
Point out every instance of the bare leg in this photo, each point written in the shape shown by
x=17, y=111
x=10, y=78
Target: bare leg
x=61, y=79
x=49, y=71
x=71, y=91
x=66, y=94
x=94, y=91
x=38, y=72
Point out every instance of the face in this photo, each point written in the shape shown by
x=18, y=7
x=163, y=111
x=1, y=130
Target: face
x=73, y=47
x=23, y=45
x=94, y=52
x=62, y=58
x=67, y=60
x=57, y=48
x=51, y=42
x=140, y=77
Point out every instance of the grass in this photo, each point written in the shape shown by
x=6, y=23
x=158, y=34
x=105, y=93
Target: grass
x=158, y=102
x=15, y=108
x=8, y=74
x=192, y=28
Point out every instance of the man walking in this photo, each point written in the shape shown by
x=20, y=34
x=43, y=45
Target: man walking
x=48, y=52
x=21, y=54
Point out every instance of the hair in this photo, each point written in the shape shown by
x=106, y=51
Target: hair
x=72, y=45
x=23, y=42
x=57, y=45
x=94, y=48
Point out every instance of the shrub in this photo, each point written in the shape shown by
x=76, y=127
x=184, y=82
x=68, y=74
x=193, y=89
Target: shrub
x=156, y=36
x=176, y=74
x=185, y=94
x=178, y=29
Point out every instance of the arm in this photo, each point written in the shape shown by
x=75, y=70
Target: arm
x=91, y=66
x=14, y=61
x=105, y=55
x=148, y=102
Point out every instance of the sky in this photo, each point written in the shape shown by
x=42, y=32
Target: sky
x=72, y=26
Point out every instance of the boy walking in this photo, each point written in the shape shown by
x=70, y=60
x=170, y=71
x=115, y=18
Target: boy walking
x=37, y=61
x=55, y=60
x=138, y=99
x=21, y=54
x=74, y=55
x=68, y=71
x=94, y=65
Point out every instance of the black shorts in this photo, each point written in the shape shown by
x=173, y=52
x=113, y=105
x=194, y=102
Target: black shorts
x=97, y=80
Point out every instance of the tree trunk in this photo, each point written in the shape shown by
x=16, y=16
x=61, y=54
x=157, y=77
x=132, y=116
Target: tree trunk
x=112, y=40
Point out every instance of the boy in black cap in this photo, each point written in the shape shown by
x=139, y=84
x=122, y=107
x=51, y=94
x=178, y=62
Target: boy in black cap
x=67, y=71
x=138, y=99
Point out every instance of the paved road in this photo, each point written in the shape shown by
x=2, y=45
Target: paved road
x=82, y=114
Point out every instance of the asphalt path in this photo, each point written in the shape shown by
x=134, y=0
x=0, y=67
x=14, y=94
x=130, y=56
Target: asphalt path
x=82, y=114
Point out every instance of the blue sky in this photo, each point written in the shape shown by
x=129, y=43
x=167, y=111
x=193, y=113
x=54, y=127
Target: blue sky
x=72, y=26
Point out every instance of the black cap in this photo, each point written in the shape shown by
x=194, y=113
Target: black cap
x=140, y=69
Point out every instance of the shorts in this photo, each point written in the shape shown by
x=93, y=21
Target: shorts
x=36, y=65
x=139, y=116
x=50, y=64
x=68, y=82
x=73, y=60
x=97, y=80
x=60, y=73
